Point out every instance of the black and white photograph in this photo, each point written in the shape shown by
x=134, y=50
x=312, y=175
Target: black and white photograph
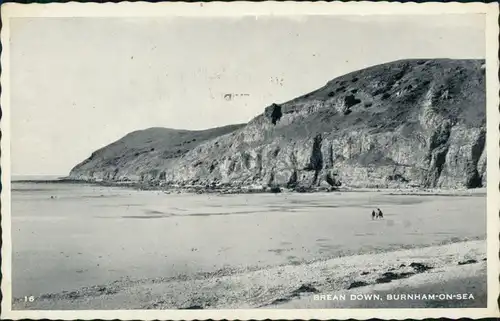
x=256, y=160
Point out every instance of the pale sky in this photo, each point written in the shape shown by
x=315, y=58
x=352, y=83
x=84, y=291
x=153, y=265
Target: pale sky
x=78, y=84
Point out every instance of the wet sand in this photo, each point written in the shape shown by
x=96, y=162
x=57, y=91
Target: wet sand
x=111, y=248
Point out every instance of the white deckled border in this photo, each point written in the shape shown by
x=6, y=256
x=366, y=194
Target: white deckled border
x=237, y=9
x=493, y=156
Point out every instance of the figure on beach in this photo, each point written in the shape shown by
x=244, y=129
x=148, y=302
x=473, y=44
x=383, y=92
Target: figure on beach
x=377, y=214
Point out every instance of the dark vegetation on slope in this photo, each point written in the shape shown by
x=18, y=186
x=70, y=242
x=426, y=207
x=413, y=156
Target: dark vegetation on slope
x=148, y=147
x=384, y=97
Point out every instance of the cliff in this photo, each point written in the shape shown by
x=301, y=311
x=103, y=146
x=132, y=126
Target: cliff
x=401, y=124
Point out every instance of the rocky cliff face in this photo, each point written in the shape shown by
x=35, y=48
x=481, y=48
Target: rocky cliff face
x=405, y=123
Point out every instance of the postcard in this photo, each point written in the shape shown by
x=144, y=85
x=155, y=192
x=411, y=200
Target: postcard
x=241, y=160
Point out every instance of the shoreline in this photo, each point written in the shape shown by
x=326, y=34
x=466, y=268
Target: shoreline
x=226, y=189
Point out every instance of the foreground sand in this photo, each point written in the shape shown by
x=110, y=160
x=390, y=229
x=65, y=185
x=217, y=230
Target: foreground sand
x=435, y=270
x=467, y=284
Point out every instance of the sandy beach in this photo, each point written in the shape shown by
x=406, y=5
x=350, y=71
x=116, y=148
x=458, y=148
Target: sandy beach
x=453, y=269
x=116, y=248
